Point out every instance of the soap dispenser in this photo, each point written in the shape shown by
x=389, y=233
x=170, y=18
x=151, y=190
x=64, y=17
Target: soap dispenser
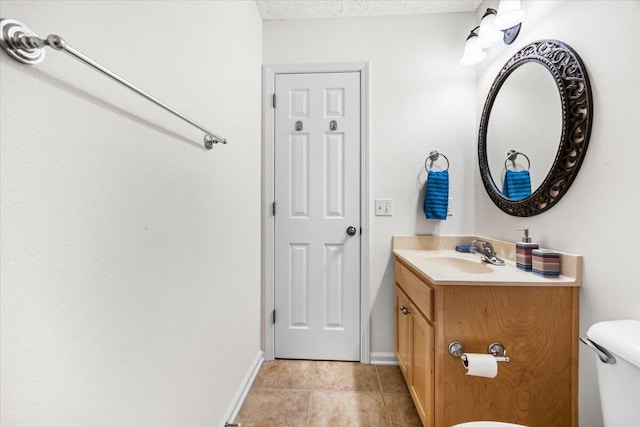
x=524, y=251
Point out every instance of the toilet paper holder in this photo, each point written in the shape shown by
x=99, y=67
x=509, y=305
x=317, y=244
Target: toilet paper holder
x=496, y=349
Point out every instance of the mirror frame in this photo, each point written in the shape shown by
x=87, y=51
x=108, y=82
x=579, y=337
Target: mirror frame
x=576, y=101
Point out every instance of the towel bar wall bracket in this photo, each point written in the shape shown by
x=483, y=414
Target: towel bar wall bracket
x=433, y=156
x=24, y=46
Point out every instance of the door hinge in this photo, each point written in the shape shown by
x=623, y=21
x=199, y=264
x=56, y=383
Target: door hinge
x=274, y=100
x=274, y=316
x=361, y=231
x=273, y=208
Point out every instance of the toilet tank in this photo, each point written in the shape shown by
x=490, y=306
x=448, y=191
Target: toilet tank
x=619, y=382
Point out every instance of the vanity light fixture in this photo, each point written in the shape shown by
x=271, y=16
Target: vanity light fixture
x=509, y=14
x=489, y=35
x=473, y=54
x=495, y=26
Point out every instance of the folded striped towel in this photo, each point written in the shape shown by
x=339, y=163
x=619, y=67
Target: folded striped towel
x=516, y=185
x=436, y=196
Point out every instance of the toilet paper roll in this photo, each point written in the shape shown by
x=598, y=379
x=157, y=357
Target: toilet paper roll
x=481, y=365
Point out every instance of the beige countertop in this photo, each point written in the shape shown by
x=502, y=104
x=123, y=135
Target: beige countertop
x=435, y=258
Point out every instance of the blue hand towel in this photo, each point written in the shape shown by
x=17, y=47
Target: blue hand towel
x=516, y=185
x=436, y=196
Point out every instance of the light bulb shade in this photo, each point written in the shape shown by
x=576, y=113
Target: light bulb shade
x=489, y=35
x=472, y=53
x=509, y=14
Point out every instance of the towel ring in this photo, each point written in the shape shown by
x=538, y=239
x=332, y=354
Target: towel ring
x=433, y=156
x=511, y=156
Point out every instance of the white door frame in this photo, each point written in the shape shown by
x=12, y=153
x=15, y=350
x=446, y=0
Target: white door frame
x=268, y=89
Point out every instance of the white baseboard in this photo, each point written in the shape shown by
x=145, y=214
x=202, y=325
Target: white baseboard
x=382, y=358
x=241, y=394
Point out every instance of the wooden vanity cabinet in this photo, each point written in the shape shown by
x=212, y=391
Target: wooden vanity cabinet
x=538, y=326
x=415, y=340
x=404, y=331
x=414, y=344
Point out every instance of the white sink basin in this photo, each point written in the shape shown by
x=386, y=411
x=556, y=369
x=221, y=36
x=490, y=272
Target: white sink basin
x=463, y=265
x=448, y=267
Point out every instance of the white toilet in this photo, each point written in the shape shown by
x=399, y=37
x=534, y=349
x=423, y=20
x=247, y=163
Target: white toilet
x=617, y=345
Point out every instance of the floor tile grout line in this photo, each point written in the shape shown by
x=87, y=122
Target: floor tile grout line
x=384, y=400
x=313, y=378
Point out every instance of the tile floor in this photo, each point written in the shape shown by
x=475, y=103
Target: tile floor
x=304, y=393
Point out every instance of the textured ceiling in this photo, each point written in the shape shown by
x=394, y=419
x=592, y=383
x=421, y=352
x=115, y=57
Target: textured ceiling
x=300, y=9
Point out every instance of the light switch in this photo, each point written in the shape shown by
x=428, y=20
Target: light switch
x=384, y=207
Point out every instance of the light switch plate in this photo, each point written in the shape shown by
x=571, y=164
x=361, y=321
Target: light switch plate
x=384, y=207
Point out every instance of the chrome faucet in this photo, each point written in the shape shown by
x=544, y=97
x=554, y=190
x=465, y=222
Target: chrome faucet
x=486, y=251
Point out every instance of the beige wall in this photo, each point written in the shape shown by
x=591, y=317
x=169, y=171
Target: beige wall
x=421, y=100
x=130, y=273
x=598, y=217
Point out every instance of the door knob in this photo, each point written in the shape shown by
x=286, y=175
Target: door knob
x=351, y=230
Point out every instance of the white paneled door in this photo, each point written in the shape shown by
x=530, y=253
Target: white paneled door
x=317, y=220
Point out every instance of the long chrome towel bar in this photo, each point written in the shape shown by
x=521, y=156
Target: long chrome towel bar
x=24, y=46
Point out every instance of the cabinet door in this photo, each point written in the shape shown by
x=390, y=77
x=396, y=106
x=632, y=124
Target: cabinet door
x=423, y=379
x=404, y=327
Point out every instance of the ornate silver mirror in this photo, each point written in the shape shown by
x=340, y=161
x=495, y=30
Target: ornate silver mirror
x=535, y=128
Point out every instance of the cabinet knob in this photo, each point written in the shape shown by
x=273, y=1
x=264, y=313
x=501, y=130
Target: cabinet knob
x=404, y=309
